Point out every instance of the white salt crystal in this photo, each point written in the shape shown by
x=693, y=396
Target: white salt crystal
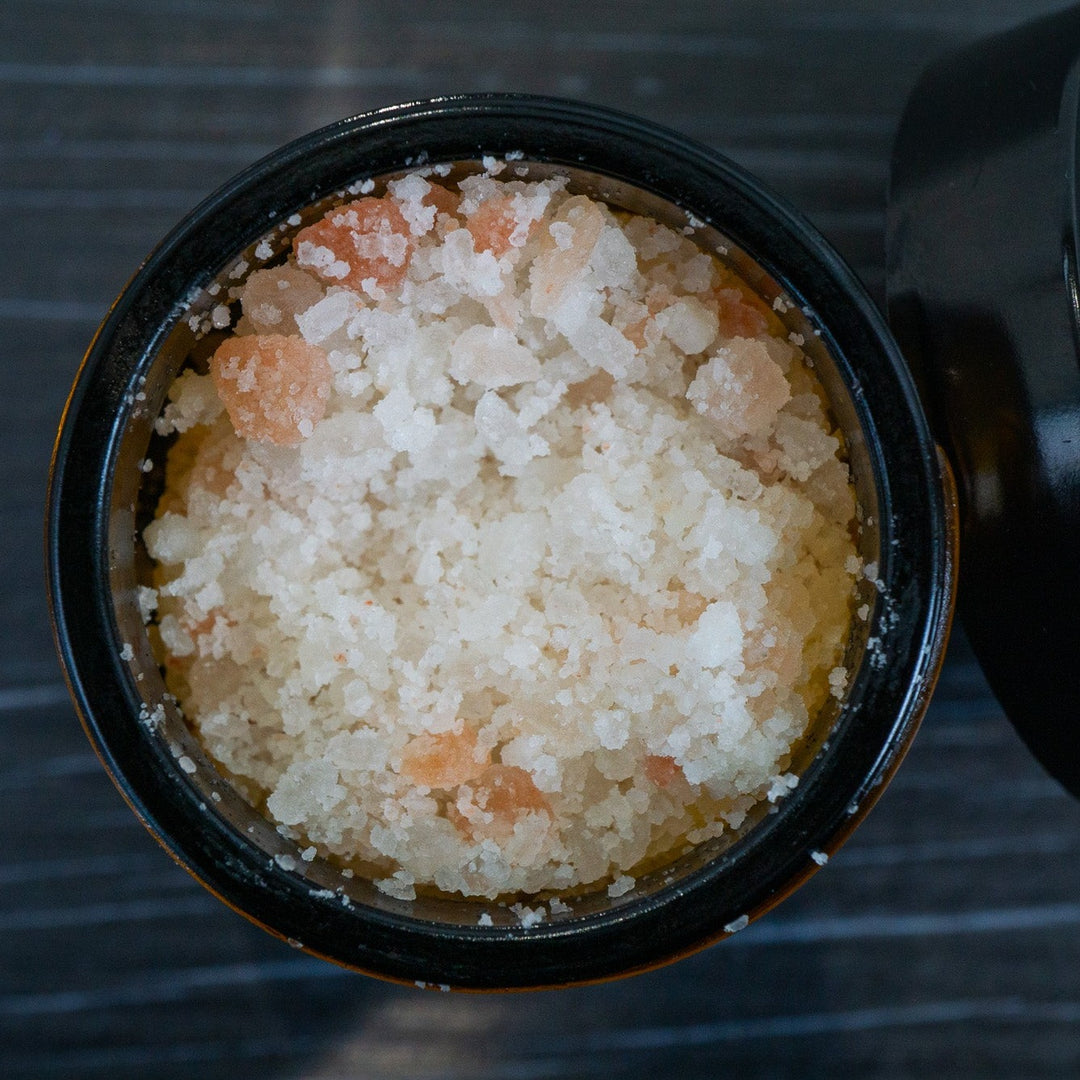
x=717, y=639
x=838, y=680
x=406, y=426
x=498, y=428
x=410, y=190
x=528, y=916
x=604, y=347
x=152, y=719
x=781, y=786
x=147, y=600
x=613, y=728
x=400, y=886
x=327, y=316
x=689, y=324
x=493, y=357
x=613, y=260
x=562, y=232
x=322, y=259
x=192, y=401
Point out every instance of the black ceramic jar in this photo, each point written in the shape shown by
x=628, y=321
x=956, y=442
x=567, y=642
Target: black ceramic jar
x=95, y=557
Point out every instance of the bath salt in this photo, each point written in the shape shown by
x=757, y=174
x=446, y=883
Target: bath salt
x=506, y=545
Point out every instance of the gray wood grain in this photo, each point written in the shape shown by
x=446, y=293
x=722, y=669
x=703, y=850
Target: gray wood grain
x=943, y=940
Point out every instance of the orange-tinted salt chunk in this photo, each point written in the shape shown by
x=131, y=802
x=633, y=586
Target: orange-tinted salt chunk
x=201, y=630
x=272, y=298
x=741, y=389
x=565, y=252
x=739, y=316
x=444, y=200
x=689, y=607
x=442, y=761
x=275, y=388
x=501, y=795
x=493, y=225
x=661, y=770
x=361, y=245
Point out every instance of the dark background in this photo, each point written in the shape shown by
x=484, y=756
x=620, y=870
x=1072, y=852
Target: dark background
x=942, y=941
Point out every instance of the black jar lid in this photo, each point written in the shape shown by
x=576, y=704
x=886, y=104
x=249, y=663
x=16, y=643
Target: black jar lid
x=983, y=299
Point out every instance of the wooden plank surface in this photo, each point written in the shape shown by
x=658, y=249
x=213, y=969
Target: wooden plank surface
x=942, y=941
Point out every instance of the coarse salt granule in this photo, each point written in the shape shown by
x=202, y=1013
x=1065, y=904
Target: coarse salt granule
x=507, y=545
x=528, y=916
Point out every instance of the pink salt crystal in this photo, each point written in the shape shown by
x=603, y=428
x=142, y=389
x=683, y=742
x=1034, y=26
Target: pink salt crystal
x=273, y=298
x=446, y=205
x=361, y=242
x=660, y=769
x=492, y=804
x=597, y=387
x=443, y=199
x=741, y=389
x=275, y=388
x=494, y=226
x=566, y=246
x=444, y=760
x=689, y=607
x=738, y=316
x=493, y=357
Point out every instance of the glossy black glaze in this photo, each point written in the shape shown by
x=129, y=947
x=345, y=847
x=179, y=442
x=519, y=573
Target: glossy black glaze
x=92, y=556
x=982, y=284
